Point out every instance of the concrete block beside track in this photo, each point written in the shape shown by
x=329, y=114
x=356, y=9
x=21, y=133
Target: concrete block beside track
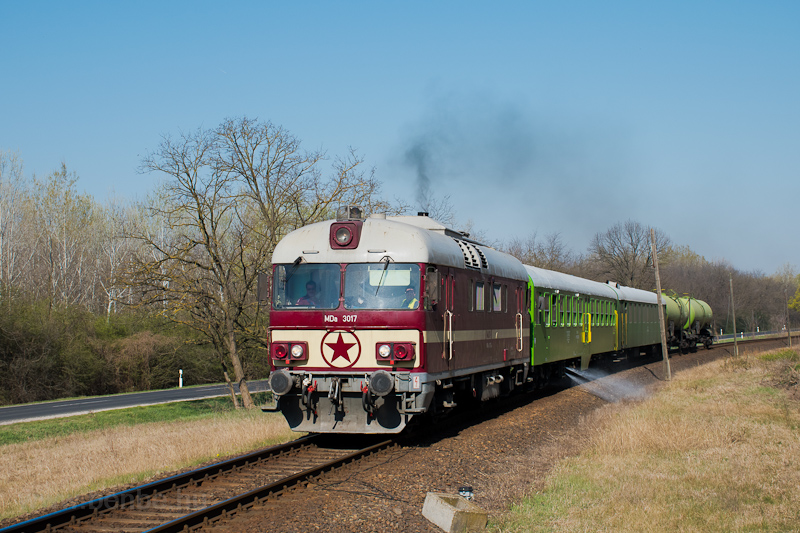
x=453, y=513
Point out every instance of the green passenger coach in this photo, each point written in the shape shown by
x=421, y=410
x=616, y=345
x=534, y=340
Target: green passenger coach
x=575, y=319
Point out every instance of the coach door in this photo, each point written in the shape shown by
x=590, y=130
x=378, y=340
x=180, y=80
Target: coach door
x=586, y=323
x=586, y=332
x=519, y=322
x=623, y=325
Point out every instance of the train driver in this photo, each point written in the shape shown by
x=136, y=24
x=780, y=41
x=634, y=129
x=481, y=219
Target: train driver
x=410, y=301
x=310, y=298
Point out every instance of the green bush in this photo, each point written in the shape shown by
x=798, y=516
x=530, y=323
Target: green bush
x=50, y=353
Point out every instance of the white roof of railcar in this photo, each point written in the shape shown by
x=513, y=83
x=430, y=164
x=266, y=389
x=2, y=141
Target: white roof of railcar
x=550, y=279
x=403, y=239
x=637, y=295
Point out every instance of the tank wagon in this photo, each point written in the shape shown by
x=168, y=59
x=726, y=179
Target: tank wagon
x=688, y=322
x=376, y=321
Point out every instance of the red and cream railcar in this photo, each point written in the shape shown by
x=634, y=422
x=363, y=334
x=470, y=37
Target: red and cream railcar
x=377, y=320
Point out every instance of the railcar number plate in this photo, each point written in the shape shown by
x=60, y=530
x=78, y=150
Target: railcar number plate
x=415, y=383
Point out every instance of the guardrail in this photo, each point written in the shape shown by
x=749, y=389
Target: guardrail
x=728, y=337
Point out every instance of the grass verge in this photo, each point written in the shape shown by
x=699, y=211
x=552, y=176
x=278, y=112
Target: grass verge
x=60, y=427
x=53, y=460
x=717, y=449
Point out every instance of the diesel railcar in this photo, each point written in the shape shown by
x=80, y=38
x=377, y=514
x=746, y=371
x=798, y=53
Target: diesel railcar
x=378, y=320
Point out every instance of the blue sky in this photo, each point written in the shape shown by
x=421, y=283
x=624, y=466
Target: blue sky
x=535, y=116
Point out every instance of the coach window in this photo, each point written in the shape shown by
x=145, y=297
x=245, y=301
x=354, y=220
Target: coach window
x=567, y=311
x=472, y=292
x=548, y=308
x=568, y=302
x=480, y=298
x=497, y=297
x=545, y=303
x=573, y=307
x=558, y=318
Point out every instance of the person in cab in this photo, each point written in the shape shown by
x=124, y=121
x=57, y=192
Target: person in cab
x=410, y=300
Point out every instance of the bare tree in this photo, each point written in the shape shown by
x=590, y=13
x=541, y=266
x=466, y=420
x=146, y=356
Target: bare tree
x=231, y=194
x=284, y=182
x=12, y=204
x=551, y=253
x=64, y=223
x=623, y=253
x=115, y=250
x=204, y=271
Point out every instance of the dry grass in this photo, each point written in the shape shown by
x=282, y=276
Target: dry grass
x=716, y=450
x=42, y=472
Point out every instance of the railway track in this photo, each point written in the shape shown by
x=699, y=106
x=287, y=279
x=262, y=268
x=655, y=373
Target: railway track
x=188, y=501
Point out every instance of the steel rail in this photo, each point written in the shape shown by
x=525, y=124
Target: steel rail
x=95, y=508
x=254, y=497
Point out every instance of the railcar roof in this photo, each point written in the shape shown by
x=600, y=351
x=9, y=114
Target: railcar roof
x=637, y=295
x=550, y=279
x=403, y=240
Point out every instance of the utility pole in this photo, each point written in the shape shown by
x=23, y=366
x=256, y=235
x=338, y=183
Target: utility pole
x=733, y=307
x=788, y=325
x=664, y=351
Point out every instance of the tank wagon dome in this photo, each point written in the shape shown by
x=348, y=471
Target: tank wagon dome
x=403, y=239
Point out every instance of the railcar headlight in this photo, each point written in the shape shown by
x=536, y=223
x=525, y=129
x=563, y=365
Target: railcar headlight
x=286, y=351
x=297, y=351
x=384, y=351
x=343, y=236
x=395, y=352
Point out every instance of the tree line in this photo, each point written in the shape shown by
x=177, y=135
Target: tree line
x=622, y=253
x=115, y=297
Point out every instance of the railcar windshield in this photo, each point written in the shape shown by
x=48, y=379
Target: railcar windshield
x=381, y=286
x=306, y=286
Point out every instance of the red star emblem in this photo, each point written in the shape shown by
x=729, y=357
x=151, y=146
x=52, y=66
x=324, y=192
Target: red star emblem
x=340, y=349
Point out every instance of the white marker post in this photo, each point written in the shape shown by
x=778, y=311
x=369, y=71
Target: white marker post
x=180, y=379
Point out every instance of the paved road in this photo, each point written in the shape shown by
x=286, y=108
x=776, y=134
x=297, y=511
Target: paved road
x=36, y=411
